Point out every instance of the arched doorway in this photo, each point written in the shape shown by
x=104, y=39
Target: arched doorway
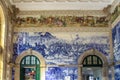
x=92, y=68
x=30, y=68
x=30, y=60
x=92, y=62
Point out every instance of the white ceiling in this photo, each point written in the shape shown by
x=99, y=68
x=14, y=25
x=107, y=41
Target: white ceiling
x=61, y=4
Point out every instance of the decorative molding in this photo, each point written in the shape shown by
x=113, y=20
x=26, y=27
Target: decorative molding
x=12, y=13
x=116, y=21
x=107, y=9
x=116, y=13
x=62, y=21
x=15, y=1
x=63, y=29
x=113, y=5
x=98, y=13
x=65, y=18
x=61, y=4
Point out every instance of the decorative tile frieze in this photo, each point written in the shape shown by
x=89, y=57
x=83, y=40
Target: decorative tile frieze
x=62, y=21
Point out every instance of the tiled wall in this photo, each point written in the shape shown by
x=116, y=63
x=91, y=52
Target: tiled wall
x=116, y=41
x=117, y=72
x=61, y=73
x=116, y=48
x=61, y=48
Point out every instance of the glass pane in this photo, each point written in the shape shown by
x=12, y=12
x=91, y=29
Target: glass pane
x=84, y=62
x=32, y=60
x=38, y=62
x=28, y=60
x=23, y=61
x=94, y=60
x=89, y=60
x=100, y=62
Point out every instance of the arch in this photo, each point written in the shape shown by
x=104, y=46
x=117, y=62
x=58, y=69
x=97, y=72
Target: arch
x=92, y=61
x=26, y=53
x=30, y=60
x=96, y=53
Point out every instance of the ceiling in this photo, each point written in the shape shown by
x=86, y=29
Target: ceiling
x=61, y=4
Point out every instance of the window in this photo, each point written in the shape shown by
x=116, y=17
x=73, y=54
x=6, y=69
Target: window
x=30, y=68
x=93, y=61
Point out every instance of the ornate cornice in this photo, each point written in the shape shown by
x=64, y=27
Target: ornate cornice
x=116, y=13
x=94, y=18
x=62, y=29
x=15, y=1
x=98, y=13
x=114, y=4
x=116, y=21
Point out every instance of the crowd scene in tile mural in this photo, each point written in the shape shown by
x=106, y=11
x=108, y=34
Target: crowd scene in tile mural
x=62, y=21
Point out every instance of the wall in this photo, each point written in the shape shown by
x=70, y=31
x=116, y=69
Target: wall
x=116, y=48
x=116, y=41
x=61, y=48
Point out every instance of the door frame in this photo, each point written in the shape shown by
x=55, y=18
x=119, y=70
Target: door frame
x=29, y=64
x=101, y=56
x=26, y=53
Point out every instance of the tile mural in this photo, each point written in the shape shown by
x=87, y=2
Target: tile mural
x=61, y=47
x=61, y=73
x=110, y=71
x=116, y=41
x=117, y=72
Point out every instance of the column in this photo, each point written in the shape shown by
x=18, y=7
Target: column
x=112, y=72
x=111, y=55
x=80, y=73
x=17, y=72
x=105, y=73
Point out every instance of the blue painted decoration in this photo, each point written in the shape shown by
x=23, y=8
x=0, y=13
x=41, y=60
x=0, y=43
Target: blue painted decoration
x=61, y=73
x=117, y=72
x=116, y=41
x=59, y=50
